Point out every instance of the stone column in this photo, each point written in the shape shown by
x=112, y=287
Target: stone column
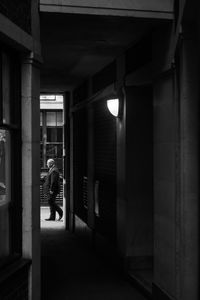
x=31, y=171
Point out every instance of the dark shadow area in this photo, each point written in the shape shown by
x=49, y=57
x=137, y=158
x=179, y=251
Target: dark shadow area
x=71, y=270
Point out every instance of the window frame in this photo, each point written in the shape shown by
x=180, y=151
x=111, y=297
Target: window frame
x=13, y=126
x=44, y=141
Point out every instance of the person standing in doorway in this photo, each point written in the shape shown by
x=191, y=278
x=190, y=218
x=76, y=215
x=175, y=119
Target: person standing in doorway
x=51, y=189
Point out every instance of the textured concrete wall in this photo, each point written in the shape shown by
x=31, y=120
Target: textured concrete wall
x=189, y=210
x=176, y=175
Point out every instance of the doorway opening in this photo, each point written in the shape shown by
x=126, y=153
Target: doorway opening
x=51, y=147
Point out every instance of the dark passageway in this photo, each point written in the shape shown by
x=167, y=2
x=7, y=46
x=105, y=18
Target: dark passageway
x=72, y=271
x=129, y=173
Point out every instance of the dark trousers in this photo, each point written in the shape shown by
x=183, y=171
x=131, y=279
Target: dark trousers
x=53, y=206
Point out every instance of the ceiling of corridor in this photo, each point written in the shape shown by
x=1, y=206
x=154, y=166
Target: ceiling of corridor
x=77, y=46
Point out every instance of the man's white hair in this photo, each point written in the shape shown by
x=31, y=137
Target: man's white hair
x=51, y=161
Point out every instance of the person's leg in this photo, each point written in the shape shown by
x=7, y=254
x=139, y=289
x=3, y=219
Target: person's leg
x=51, y=201
x=59, y=211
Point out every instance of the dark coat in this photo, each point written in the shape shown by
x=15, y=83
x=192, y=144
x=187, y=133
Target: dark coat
x=52, y=181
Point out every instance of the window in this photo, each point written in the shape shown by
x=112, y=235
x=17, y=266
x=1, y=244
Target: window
x=51, y=118
x=10, y=156
x=51, y=136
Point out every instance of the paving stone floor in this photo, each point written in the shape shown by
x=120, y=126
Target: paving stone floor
x=71, y=270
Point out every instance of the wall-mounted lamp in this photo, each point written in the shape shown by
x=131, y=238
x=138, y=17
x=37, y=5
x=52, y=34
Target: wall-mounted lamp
x=115, y=103
x=113, y=106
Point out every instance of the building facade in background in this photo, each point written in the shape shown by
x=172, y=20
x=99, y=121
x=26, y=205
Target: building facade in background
x=51, y=138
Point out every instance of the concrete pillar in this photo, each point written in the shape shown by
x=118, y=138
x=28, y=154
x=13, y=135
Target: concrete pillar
x=166, y=173
x=31, y=171
x=134, y=173
x=71, y=213
x=189, y=210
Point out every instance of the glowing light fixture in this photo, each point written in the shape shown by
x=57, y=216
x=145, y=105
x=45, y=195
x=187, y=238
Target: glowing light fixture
x=113, y=106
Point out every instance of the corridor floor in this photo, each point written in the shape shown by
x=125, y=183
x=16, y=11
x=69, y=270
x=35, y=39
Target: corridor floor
x=71, y=270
